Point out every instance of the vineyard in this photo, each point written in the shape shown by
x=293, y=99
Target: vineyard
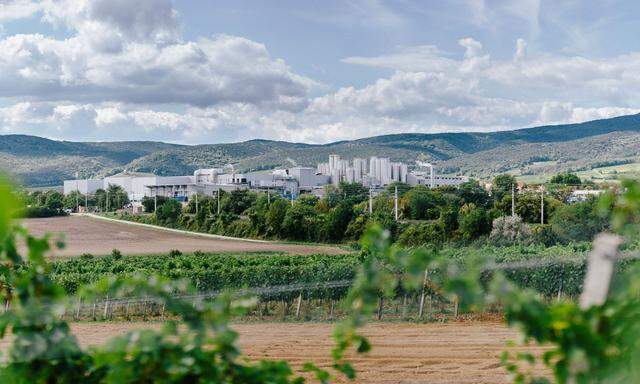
x=549, y=275
x=295, y=287
x=561, y=301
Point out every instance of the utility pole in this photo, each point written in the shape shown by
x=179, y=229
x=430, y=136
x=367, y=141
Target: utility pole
x=513, y=200
x=371, y=199
x=196, y=202
x=77, y=193
x=542, y=204
x=155, y=201
x=395, y=202
x=218, y=194
x=268, y=197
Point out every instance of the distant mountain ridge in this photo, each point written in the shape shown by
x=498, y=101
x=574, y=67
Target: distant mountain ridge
x=37, y=161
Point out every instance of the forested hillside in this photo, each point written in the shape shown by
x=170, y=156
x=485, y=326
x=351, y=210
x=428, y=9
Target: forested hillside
x=39, y=162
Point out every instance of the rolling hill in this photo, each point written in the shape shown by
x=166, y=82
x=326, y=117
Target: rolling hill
x=37, y=161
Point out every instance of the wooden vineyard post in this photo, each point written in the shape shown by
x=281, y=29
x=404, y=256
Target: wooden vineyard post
x=331, y=309
x=600, y=270
x=285, y=306
x=298, y=306
x=380, y=306
x=455, y=308
x=79, y=304
x=560, y=285
x=106, y=308
x=93, y=311
x=404, y=306
x=424, y=284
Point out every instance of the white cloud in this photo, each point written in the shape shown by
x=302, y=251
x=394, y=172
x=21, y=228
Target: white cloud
x=131, y=52
x=17, y=9
x=521, y=49
x=125, y=72
x=210, y=71
x=108, y=115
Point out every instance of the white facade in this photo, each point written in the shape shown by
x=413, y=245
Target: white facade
x=420, y=178
x=207, y=176
x=323, y=169
x=399, y=172
x=360, y=169
x=580, y=195
x=84, y=186
x=378, y=171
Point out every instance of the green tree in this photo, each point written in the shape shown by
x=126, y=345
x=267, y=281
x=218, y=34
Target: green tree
x=337, y=221
x=471, y=192
x=421, y=203
x=300, y=223
x=149, y=202
x=258, y=213
x=352, y=192
x=238, y=201
x=448, y=220
x=416, y=235
x=528, y=207
x=502, y=185
x=112, y=199
x=578, y=222
x=309, y=200
x=566, y=178
x=358, y=224
x=402, y=188
x=169, y=212
x=73, y=198
x=474, y=222
x=54, y=200
x=275, y=217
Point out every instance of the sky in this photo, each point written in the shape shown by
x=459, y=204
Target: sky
x=214, y=71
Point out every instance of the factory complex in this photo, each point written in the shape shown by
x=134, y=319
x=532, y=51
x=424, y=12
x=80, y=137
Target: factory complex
x=375, y=172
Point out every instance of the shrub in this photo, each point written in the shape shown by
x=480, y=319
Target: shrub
x=578, y=222
x=169, y=212
x=40, y=212
x=509, y=229
x=420, y=234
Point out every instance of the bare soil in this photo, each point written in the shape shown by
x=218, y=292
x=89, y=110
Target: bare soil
x=99, y=237
x=459, y=352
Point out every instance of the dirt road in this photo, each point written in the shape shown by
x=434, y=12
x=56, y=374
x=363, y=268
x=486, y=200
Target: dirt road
x=99, y=237
x=402, y=352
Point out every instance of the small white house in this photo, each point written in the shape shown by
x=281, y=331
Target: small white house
x=580, y=195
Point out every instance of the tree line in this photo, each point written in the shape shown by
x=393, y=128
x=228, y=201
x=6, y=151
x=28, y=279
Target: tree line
x=447, y=214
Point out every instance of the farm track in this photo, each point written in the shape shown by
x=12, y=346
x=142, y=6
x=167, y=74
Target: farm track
x=99, y=237
x=459, y=352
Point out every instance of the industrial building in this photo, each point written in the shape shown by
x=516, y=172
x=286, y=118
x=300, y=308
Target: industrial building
x=290, y=182
x=381, y=171
x=374, y=172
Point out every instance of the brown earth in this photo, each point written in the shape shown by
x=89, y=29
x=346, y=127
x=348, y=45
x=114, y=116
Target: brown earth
x=459, y=352
x=99, y=237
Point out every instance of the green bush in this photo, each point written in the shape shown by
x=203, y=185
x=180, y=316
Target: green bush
x=421, y=234
x=39, y=212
